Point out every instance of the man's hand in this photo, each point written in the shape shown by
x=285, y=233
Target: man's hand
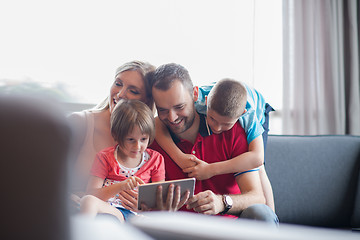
x=206, y=202
x=200, y=171
x=173, y=201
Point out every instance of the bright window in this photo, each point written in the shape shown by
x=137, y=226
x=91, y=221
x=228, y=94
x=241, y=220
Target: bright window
x=76, y=45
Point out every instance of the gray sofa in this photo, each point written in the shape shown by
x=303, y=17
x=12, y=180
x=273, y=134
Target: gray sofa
x=315, y=179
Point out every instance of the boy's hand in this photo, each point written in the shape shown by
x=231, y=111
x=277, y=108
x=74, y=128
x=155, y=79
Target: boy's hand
x=186, y=161
x=200, y=171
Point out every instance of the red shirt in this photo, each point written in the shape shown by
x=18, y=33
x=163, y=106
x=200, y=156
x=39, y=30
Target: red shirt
x=209, y=148
x=105, y=166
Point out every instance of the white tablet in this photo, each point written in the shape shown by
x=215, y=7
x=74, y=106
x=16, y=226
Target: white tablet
x=147, y=192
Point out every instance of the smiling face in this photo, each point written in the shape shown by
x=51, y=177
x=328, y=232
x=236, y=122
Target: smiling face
x=134, y=144
x=175, y=107
x=219, y=123
x=127, y=85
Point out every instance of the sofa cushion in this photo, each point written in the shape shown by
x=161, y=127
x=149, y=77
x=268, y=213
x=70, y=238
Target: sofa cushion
x=314, y=178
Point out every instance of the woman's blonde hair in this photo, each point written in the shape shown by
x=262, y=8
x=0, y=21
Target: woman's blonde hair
x=130, y=113
x=145, y=69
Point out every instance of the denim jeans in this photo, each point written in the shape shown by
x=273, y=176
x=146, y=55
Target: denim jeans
x=260, y=212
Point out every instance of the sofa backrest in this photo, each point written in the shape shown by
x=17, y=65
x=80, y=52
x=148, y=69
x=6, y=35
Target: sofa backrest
x=315, y=179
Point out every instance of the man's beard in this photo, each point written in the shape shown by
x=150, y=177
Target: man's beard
x=187, y=123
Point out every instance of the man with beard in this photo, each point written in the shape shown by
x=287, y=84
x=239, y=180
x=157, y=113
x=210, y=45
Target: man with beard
x=236, y=196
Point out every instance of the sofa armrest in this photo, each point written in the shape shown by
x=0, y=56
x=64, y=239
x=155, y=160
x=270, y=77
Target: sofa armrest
x=355, y=222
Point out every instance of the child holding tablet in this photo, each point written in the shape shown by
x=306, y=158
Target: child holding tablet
x=124, y=166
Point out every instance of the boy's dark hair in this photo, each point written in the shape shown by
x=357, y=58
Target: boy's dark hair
x=130, y=113
x=165, y=75
x=228, y=98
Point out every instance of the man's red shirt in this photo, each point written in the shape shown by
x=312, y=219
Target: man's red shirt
x=210, y=148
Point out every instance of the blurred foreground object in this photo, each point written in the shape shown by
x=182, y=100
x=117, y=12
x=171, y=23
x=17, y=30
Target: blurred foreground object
x=34, y=148
x=186, y=225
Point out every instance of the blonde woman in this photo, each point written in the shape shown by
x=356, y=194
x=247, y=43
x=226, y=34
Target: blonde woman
x=92, y=127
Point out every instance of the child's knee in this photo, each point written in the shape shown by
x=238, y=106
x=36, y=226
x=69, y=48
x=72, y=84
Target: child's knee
x=88, y=200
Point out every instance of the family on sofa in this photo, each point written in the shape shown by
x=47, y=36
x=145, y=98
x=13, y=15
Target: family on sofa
x=315, y=179
x=216, y=133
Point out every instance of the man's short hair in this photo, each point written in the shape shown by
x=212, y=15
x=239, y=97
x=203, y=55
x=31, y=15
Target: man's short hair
x=228, y=98
x=128, y=114
x=165, y=75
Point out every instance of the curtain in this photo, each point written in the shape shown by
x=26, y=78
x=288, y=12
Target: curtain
x=321, y=85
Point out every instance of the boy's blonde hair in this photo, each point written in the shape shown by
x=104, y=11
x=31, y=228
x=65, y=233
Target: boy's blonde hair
x=128, y=114
x=228, y=98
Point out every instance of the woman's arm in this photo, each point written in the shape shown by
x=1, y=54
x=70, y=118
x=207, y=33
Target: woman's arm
x=249, y=160
x=78, y=125
x=165, y=141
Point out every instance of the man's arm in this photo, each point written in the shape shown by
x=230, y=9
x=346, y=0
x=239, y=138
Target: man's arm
x=209, y=203
x=244, y=162
x=251, y=192
x=165, y=141
x=266, y=185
